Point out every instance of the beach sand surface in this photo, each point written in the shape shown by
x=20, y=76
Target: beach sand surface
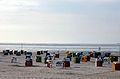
x=84, y=70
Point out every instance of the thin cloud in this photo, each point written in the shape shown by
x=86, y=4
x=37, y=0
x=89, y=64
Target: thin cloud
x=16, y=5
x=94, y=1
x=59, y=20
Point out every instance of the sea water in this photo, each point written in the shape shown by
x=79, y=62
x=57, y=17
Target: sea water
x=61, y=47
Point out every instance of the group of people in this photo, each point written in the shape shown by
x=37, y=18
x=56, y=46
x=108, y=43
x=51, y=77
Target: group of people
x=49, y=59
x=102, y=58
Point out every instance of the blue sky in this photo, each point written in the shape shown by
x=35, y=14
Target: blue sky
x=60, y=21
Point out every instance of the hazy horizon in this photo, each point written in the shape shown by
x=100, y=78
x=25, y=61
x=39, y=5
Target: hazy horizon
x=60, y=21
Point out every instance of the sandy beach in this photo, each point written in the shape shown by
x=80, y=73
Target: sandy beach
x=84, y=70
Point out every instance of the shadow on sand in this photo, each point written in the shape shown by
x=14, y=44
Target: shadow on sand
x=25, y=66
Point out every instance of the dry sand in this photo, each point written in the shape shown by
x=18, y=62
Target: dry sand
x=84, y=70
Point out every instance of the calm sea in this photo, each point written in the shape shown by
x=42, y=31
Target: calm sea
x=71, y=47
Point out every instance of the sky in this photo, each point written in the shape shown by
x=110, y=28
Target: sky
x=60, y=21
